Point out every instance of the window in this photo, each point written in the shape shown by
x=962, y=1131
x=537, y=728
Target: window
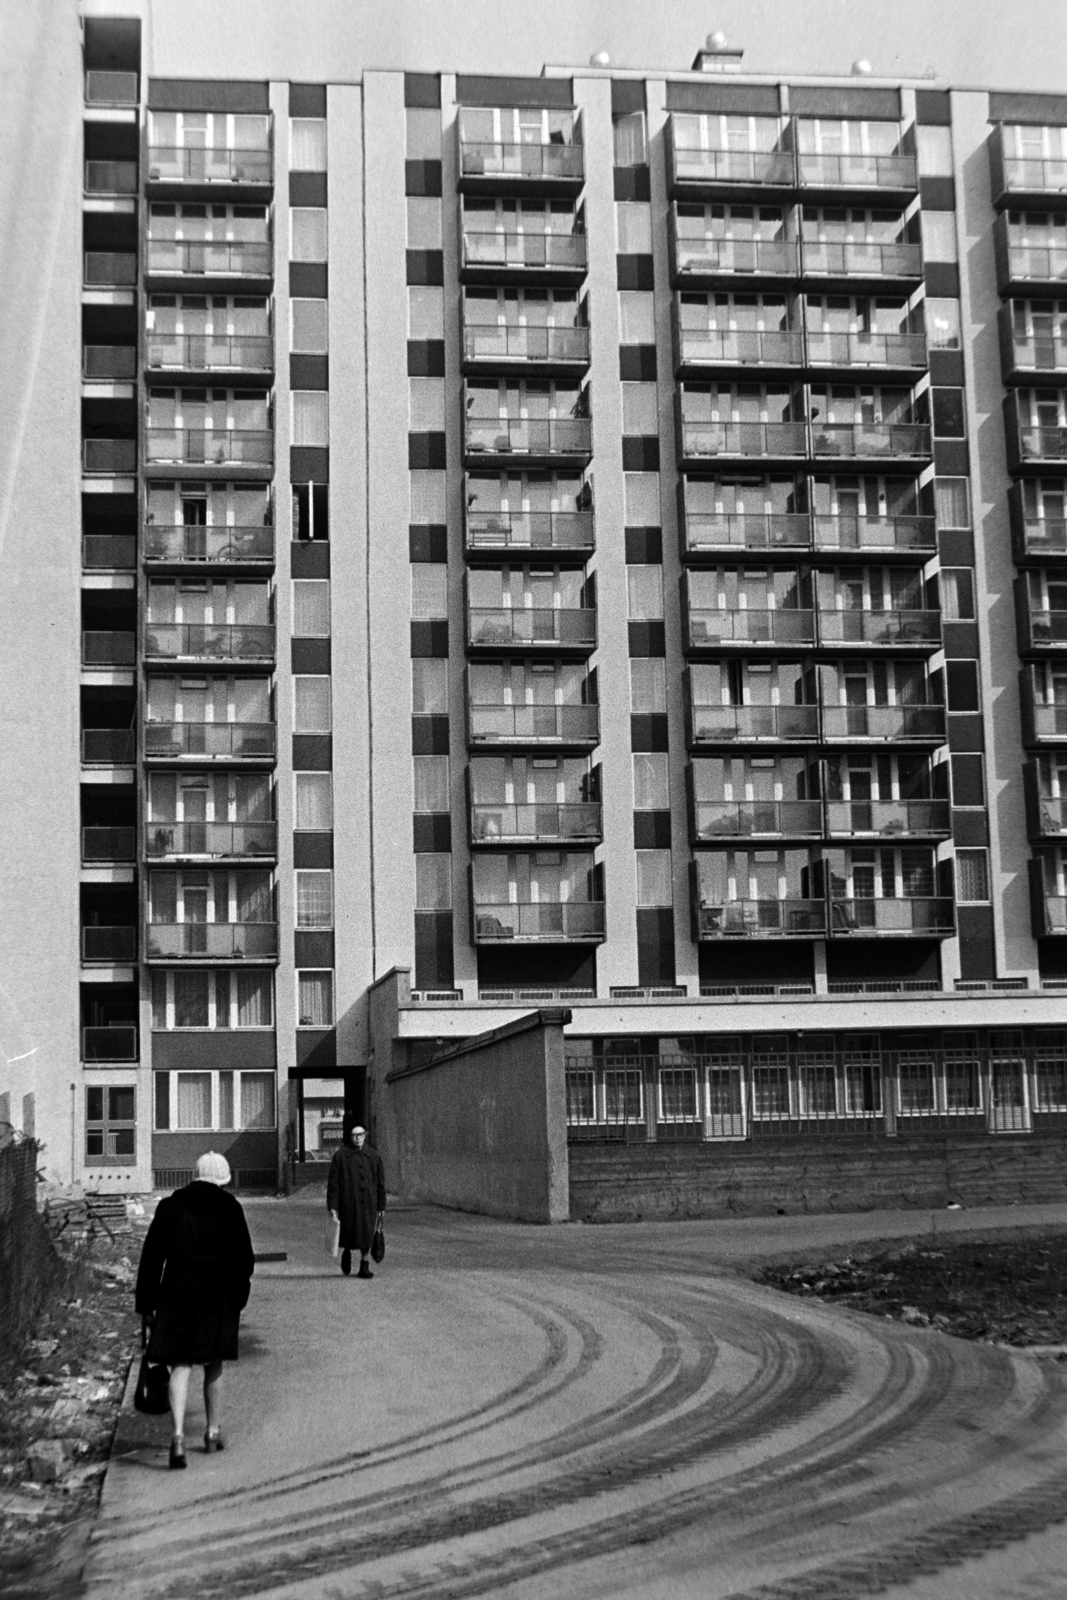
x=211, y=999
x=426, y=313
x=423, y=133
x=949, y=419
x=636, y=317
x=428, y=497
x=644, y=588
x=311, y=705
x=654, y=878
x=314, y=999
x=201, y=1102
x=308, y=234
x=433, y=880
x=311, y=418
x=633, y=227
x=110, y=1125
x=952, y=502
x=426, y=406
x=939, y=236
x=311, y=608
x=424, y=224
x=651, y=782
x=307, y=144
x=968, y=781
x=943, y=324
x=256, y=1099
x=648, y=685
x=972, y=876
x=313, y=802
x=429, y=688
x=957, y=594
x=314, y=899
x=429, y=591
x=963, y=690
x=640, y=416
x=934, y=152
x=431, y=783
x=631, y=148
x=308, y=327
x=641, y=499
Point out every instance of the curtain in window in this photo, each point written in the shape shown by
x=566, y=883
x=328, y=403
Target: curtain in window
x=311, y=608
x=190, y=1000
x=194, y=1100
x=226, y=1100
x=431, y=783
x=311, y=418
x=253, y=897
x=253, y=1000
x=307, y=145
x=311, y=705
x=314, y=899
x=257, y=1100
x=315, y=1000
x=314, y=809
x=952, y=502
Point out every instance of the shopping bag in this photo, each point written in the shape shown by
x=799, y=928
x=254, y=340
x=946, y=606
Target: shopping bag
x=152, y=1392
x=333, y=1236
x=377, y=1246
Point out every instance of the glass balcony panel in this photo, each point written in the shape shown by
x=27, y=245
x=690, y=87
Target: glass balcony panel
x=536, y=626
x=530, y=530
x=210, y=352
x=548, y=724
x=114, y=1042
x=482, y=342
x=109, y=944
x=550, y=251
x=740, y=347
x=210, y=446
x=540, y=436
x=171, y=164
x=718, y=819
x=710, y=531
x=773, y=724
x=920, y=916
x=1051, y=814
x=749, y=439
x=107, y=844
x=109, y=269
x=164, y=839
x=1031, y=175
x=1048, y=628
x=764, y=918
x=552, y=920
x=108, y=747
x=494, y=824
x=189, y=543
x=1038, y=355
x=858, y=172
x=105, y=648
x=736, y=257
x=880, y=627
x=887, y=818
x=751, y=627
x=114, y=552
x=1043, y=444
x=111, y=88
x=221, y=740
x=861, y=260
x=213, y=941
x=109, y=362
x=734, y=166
x=542, y=161
x=866, y=349
x=213, y=641
x=210, y=258
x=871, y=439
x=109, y=456
x=881, y=534
x=871, y=723
x=111, y=177
x=1037, y=263
x=1055, y=908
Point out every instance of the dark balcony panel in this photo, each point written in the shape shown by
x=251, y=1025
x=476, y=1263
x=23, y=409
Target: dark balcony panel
x=631, y=183
x=559, y=921
x=888, y=819
x=788, y=626
x=728, y=725
x=312, y=752
x=893, y=174
x=309, y=558
x=965, y=732
x=309, y=372
x=107, y=845
x=424, y=267
x=434, y=962
x=562, y=532
x=219, y=166
x=308, y=189
x=426, y=358
x=876, y=535
x=313, y=656
x=524, y=436
x=181, y=544
x=920, y=917
x=210, y=641
x=535, y=824
x=109, y=363
x=644, y=546
x=309, y=463
x=429, y=639
x=312, y=849
x=111, y=88
x=114, y=1042
x=640, y=453
x=317, y=1047
x=313, y=949
x=961, y=641
x=210, y=446
x=511, y=628
x=634, y=272
x=648, y=731
x=716, y=820
x=646, y=639
x=423, y=179
x=109, y=649
x=652, y=830
x=211, y=941
x=109, y=269
x=108, y=747
x=783, y=919
x=432, y=830
x=427, y=452
x=889, y=628
x=871, y=441
x=430, y=736
x=942, y=279
x=576, y=725
x=952, y=458
x=109, y=457
x=705, y=441
x=209, y=258
x=166, y=840
x=309, y=280
x=110, y=177
x=109, y=552
x=109, y=945
x=637, y=363
x=213, y=741
x=923, y=724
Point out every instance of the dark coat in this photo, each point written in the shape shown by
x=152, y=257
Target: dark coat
x=356, y=1191
x=195, y=1274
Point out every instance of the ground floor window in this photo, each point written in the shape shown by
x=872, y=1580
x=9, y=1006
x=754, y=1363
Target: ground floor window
x=201, y=1102
x=110, y=1125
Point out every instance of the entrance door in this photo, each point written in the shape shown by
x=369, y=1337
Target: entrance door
x=194, y=523
x=1009, y=1097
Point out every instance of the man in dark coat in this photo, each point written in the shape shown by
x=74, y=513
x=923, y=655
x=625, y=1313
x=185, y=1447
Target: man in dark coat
x=193, y=1283
x=355, y=1194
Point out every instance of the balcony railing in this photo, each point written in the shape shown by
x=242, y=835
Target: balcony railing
x=111, y=177
x=109, y=944
x=788, y=626
x=884, y=535
x=492, y=159
x=535, y=436
x=108, y=747
x=1042, y=444
x=1029, y=354
x=920, y=916
x=213, y=941
x=731, y=819
x=109, y=456
x=1051, y=814
x=109, y=362
x=164, y=839
x=578, y=920
x=1036, y=263
x=109, y=269
x=109, y=552
x=845, y=439
x=866, y=349
x=564, y=531
x=764, y=167
x=205, y=352
x=548, y=724
x=209, y=641
x=880, y=627
x=114, y=1042
x=220, y=545
x=210, y=258
x=924, y=723
x=502, y=824
x=859, y=260
x=1032, y=175
x=1048, y=629
x=888, y=818
x=559, y=252
x=765, y=918
x=210, y=446
x=510, y=342
x=108, y=648
x=1048, y=721
x=780, y=530
x=168, y=164
x=111, y=88
x=743, y=258
x=770, y=724
x=108, y=844
x=858, y=172
x=507, y=628
x=748, y=439
x=210, y=740
x=733, y=347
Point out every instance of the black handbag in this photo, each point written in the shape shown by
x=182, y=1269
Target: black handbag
x=152, y=1394
x=377, y=1244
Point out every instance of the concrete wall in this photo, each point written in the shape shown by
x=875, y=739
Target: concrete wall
x=484, y=1128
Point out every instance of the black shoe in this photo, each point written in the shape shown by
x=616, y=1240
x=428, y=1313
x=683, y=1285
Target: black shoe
x=177, y=1454
x=213, y=1440
x=346, y=1262
x=364, y=1271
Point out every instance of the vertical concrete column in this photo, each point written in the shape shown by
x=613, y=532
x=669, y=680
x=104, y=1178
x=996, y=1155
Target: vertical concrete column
x=617, y=957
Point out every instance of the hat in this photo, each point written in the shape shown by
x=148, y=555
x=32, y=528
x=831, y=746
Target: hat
x=213, y=1168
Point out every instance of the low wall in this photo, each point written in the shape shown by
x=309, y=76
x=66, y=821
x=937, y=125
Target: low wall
x=484, y=1127
x=658, y=1182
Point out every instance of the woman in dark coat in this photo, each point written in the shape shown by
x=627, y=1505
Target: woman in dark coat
x=355, y=1194
x=193, y=1282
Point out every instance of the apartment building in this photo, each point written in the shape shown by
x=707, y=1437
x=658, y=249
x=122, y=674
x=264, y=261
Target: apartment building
x=594, y=539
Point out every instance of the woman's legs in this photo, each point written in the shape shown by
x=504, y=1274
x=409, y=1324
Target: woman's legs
x=178, y=1391
x=212, y=1392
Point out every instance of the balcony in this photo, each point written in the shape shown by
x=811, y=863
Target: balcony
x=732, y=819
x=737, y=347
x=111, y=89
x=514, y=345
x=784, y=919
x=541, y=627
x=216, y=168
x=712, y=533
x=881, y=536
x=744, y=441
x=889, y=174
x=549, y=256
x=217, y=840
x=109, y=363
x=114, y=1042
x=897, y=819
x=540, y=438
x=697, y=259
x=110, y=177
x=536, y=824
x=108, y=648
x=854, y=441
x=715, y=628
x=109, y=458
x=1044, y=630
x=754, y=724
x=485, y=164
x=923, y=918
x=209, y=641
x=109, y=946
x=1042, y=722
x=1049, y=915
x=897, y=352
x=108, y=747
x=1033, y=445
x=919, y=724
x=1024, y=357
x=552, y=922
x=182, y=544
x=109, y=269
x=566, y=533
x=691, y=171
x=870, y=262
x=1049, y=819
x=553, y=726
x=251, y=354
x=211, y=941
x=109, y=552
x=1025, y=181
x=1022, y=267
x=212, y=741
x=101, y=845
x=209, y=258
x=889, y=629
x=200, y=447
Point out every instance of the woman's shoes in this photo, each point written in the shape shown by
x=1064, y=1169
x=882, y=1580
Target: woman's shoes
x=177, y=1453
x=213, y=1440
x=364, y=1271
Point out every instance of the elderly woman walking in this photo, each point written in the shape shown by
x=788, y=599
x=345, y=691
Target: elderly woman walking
x=355, y=1194
x=193, y=1283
